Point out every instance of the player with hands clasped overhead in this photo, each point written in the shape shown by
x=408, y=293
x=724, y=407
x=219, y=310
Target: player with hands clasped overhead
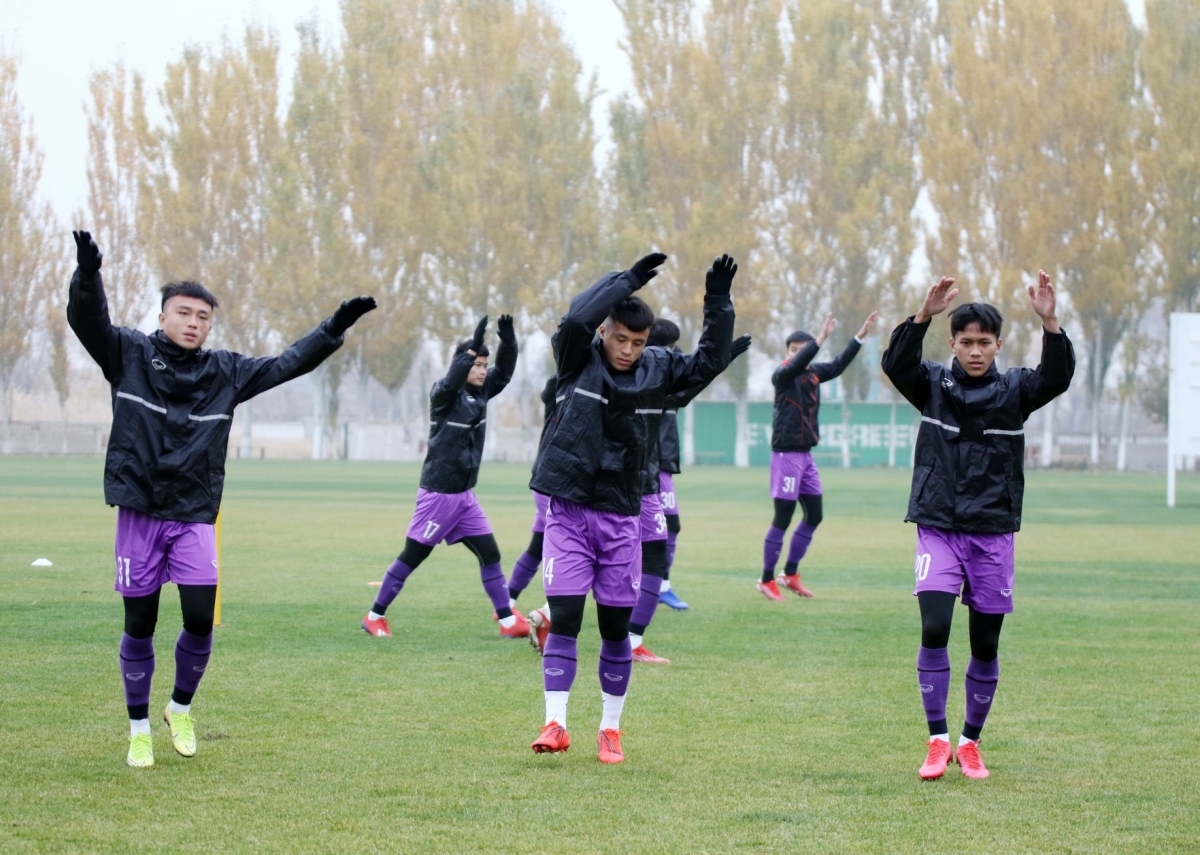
x=967, y=488
x=173, y=404
x=447, y=509
x=794, y=432
x=592, y=463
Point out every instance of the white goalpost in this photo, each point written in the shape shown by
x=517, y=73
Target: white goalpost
x=1183, y=421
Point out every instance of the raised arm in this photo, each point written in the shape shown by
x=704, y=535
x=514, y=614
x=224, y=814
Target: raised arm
x=828, y=370
x=87, y=308
x=255, y=375
x=588, y=310
x=500, y=374
x=1053, y=375
x=712, y=353
x=680, y=399
x=902, y=361
x=446, y=390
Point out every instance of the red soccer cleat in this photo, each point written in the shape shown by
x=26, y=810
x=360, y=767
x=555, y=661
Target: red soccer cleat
x=377, y=628
x=769, y=589
x=552, y=740
x=641, y=654
x=609, y=743
x=970, y=761
x=520, y=629
x=539, y=627
x=793, y=583
x=514, y=611
x=936, y=760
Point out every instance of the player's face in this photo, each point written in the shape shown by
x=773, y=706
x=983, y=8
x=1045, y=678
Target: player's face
x=622, y=346
x=975, y=349
x=478, y=371
x=794, y=348
x=187, y=321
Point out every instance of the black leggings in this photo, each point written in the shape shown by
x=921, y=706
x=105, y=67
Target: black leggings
x=535, y=545
x=566, y=615
x=784, y=508
x=197, y=602
x=482, y=546
x=937, y=613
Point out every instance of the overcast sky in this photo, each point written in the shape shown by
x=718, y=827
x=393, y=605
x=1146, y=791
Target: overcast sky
x=62, y=41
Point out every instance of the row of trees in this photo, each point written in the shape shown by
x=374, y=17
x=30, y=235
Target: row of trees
x=440, y=156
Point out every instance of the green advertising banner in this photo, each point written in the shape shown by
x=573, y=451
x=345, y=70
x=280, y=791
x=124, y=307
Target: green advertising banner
x=852, y=434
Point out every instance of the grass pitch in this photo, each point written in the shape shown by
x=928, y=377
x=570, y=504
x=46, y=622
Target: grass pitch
x=777, y=726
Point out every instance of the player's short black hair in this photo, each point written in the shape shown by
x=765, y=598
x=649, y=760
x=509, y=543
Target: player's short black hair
x=663, y=333
x=987, y=316
x=187, y=289
x=466, y=344
x=632, y=313
x=799, y=336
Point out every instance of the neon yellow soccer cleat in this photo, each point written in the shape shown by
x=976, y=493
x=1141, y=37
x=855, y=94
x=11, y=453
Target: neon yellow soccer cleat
x=183, y=732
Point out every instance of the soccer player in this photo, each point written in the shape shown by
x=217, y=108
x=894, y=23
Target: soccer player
x=795, y=431
x=173, y=404
x=657, y=545
x=447, y=509
x=968, y=483
x=592, y=465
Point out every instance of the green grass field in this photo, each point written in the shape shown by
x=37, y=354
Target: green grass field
x=790, y=726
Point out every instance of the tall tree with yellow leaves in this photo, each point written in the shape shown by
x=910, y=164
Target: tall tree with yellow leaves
x=1033, y=156
x=692, y=162
x=119, y=207
x=847, y=179
x=29, y=240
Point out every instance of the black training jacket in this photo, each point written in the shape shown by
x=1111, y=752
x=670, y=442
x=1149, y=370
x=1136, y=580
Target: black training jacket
x=595, y=448
x=173, y=408
x=968, y=473
x=794, y=425
x=458, y=421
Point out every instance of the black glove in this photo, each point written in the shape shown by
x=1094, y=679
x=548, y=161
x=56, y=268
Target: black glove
x=350, y=311
x=740, y=345
x=719, y=278
x=643, y=269
x=477, y=341
x=87, y=254
x=505, y=328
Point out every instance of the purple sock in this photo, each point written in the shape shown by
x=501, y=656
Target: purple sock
x=392, y=582
x=559, y=663
x=801, y=538
x=191, y=658
x=616, y=664
x=137, y=670
x=647, y=602
x=982, y=678
x=933, y=678
x=497, y=589
x=772, y=546
x=522, y=574
x=671, y=535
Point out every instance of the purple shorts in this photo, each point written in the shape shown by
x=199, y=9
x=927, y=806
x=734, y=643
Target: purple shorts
x=793, y=474
x=666, y=493
x=541, y=503
x=447, y=516
x=590, y=550
x=979, y=565
x=652, y=522
x=151, y=552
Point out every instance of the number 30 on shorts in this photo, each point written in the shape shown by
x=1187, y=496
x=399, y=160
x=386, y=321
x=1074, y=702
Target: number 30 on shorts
x=922, y=566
